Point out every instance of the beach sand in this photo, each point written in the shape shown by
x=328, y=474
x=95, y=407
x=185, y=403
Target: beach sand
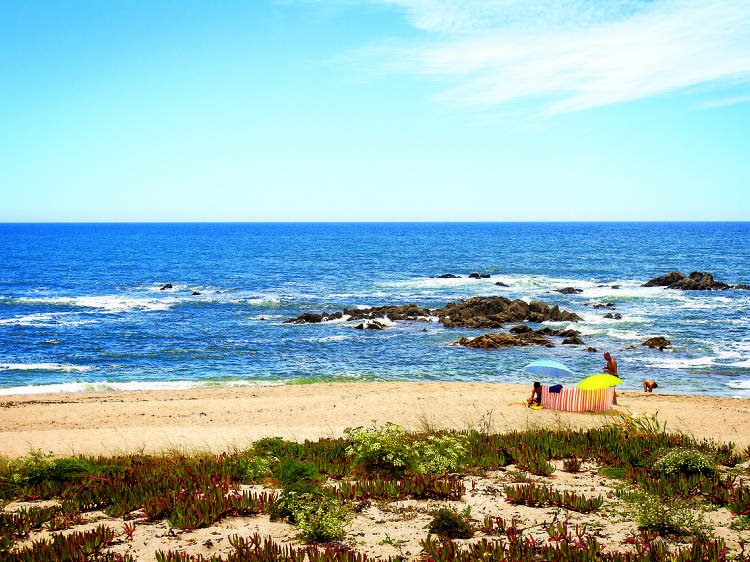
x=218, y=419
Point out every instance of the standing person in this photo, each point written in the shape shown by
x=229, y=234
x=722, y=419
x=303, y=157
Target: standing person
x=611, y=368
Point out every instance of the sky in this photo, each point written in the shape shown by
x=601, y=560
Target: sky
x=374, y=110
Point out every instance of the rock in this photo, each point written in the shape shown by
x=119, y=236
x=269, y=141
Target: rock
x=520, y=329
x=538, y=307
x=195, y=293
x=569, y=291
x=305, y=318
x=696, y=281
x=566, y=333
x=658, y=342
x=501, y=284
x=608, y=305
x=591, y=349
x=479, y=276
x=370, y=326
x=573, y=340
x=495, y=341
x=618, y=316
x=664, y=280
x=608, y=315
x=448, y=276
x=167, y=286
x=615, y=287
x=742, y=286
x=554, y=313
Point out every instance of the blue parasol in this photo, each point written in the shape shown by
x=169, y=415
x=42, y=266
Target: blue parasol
x=547, y=368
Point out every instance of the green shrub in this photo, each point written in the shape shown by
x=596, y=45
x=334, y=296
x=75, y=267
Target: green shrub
x=437, y=454
x=449, y=524
x=668, y=517
x=40, y=467
x=321, y=518
x=386, y=449
x=252, y=467
x=391, y=450
x=686, y=462
x=290, y=471
x=282, y=508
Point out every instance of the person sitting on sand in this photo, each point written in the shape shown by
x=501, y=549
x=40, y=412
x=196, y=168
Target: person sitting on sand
x=611, y=368
x=536, y=395
x=649, y=386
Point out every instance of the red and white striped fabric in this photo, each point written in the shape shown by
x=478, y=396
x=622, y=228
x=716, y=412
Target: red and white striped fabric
x=572, y=399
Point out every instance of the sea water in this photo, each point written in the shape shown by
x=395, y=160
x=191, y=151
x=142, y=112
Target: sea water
x=82, y=309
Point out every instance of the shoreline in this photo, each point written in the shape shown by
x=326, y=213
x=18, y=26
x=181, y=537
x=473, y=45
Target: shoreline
x=224, y=418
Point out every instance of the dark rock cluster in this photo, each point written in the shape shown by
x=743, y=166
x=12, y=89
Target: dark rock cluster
x=493, y=312
x=520, y=336
x=657, y=342
x=477, y=312
x=696, y=281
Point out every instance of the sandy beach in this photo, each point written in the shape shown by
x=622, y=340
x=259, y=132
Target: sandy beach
x=224, y=418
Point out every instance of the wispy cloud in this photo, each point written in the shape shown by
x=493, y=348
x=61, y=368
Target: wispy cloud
x=570, y=56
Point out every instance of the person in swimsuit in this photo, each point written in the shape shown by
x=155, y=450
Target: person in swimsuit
x=536, y=395
x=649, y=386
x=611, y=368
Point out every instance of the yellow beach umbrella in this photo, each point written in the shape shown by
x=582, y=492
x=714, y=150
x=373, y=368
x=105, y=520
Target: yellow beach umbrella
x=595, y=382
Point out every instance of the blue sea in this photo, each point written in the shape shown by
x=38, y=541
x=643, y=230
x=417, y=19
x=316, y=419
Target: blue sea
x=81, y=305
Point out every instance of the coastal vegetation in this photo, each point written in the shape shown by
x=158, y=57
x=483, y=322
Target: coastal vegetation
x=536, y=495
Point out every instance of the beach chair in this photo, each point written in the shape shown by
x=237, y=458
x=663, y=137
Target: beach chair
x=571, y=399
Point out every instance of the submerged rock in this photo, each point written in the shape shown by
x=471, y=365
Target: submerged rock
x=657, y=342
x=569, y=291
x=166, y=286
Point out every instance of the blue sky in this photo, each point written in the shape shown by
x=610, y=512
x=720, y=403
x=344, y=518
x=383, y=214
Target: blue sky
x=264, y=110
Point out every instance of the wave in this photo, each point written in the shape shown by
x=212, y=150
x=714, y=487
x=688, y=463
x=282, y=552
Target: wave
x=46, y=367
x=109, y=386
x=41, y=319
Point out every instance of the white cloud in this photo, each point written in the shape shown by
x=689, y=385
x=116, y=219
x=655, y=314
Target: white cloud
x=570, y=56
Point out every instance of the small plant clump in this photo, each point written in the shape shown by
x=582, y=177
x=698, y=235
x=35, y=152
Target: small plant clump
x=668, y=517
x=450, y=524
x=320, y=518
x=686, y=462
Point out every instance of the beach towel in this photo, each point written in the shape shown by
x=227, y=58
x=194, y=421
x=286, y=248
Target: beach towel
x=556, y=388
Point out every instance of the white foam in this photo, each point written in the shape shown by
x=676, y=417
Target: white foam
x=109, y=386
x=745, y=363
x=46, y=367
x=739, y=384
x=44, y=319
x=676, y=362
x=107, y=303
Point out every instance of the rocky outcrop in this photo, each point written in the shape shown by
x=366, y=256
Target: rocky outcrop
x=609, y=305
x=615, y=316
x=479, y=276
x=448, y=276
x=658, y=342
x=573, y=340
x=569, y=291
x=305, y=318
x=522, y=336
x=374, y=325
x=495, y=341
x=166, y=286
x=696, y=281
x=477, y=313
x=493, y=312
x=501, y=284
x=739, y=286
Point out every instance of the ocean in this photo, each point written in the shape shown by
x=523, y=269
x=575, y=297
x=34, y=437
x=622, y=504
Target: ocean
x=82, y=309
